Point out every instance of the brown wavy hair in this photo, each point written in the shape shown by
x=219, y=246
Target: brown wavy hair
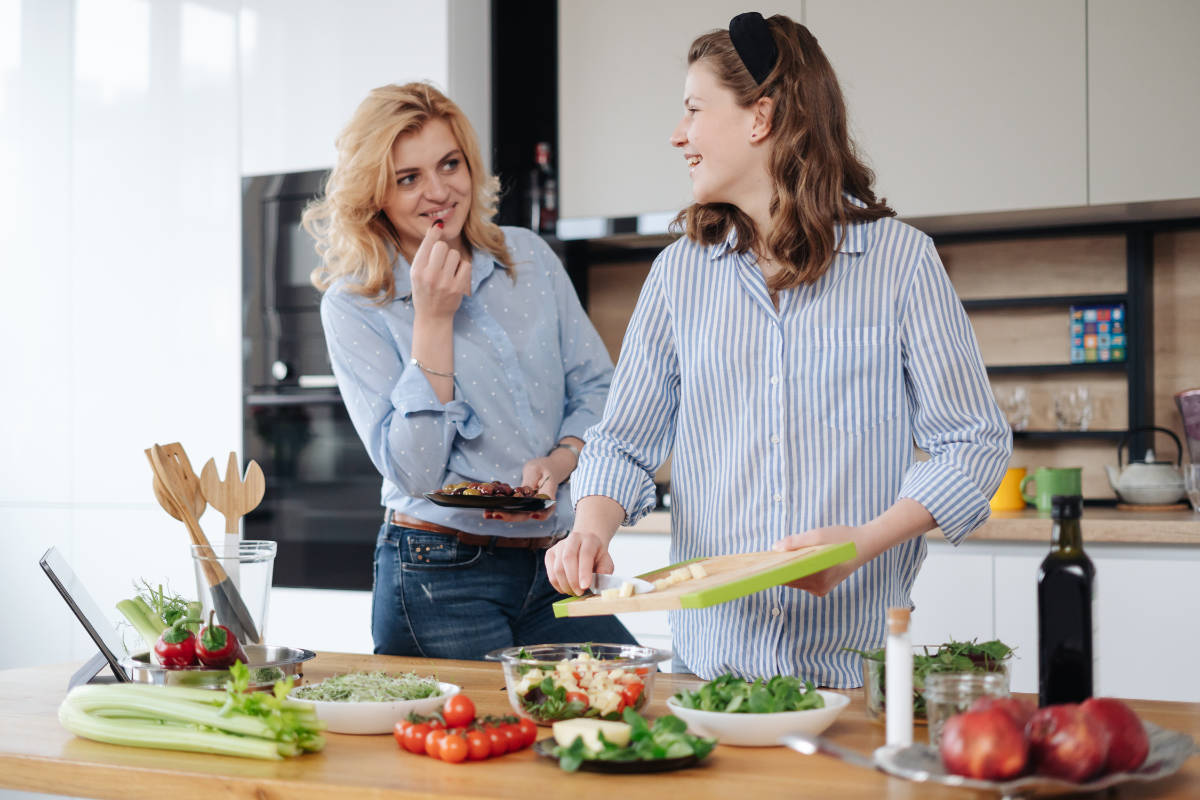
x=355, y=239
x=812, y=160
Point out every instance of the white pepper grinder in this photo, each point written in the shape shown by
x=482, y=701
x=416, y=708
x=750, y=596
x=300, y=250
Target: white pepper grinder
x=899, y=682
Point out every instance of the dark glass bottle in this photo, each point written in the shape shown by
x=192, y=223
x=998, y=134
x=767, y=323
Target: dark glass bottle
x=1066, y=610
x=543, y=193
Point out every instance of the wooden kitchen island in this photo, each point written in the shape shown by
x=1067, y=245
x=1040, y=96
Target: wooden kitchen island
x=37, y=754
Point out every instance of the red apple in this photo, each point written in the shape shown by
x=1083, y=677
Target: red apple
x=1128, y=743
x=1020, y=710
x=984, y=744
x=1067, y=743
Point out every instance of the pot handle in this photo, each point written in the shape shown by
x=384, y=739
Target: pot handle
x=1129, y=434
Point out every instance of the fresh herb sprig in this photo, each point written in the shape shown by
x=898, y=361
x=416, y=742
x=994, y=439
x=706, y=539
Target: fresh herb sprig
x=757, y=696
x=666, y=738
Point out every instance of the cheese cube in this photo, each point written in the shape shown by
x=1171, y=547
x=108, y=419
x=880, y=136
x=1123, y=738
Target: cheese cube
x=682, y=574
x=626, y=589
x=662, y=583
x=567, y=731
x=610, y=594
x=697, y=570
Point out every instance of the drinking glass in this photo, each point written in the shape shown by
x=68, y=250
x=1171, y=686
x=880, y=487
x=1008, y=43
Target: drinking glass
x=1016, y=407
x=249, y=567
x=950, y=693
x=1191, y=482
x=1073, y=409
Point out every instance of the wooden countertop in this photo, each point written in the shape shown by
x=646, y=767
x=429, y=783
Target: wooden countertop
x=1100, y=525
x=37, y=754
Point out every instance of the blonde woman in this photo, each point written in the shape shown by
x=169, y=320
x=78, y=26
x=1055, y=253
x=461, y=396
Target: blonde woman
x=462, y=354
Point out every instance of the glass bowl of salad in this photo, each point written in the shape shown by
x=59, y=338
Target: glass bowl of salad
x=552, y=682
x=951, y=656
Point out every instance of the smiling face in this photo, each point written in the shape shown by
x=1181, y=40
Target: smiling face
x=431, y=182
x=715, y=136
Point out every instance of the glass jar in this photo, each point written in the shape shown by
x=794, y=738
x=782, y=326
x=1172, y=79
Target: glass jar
x=950, y=693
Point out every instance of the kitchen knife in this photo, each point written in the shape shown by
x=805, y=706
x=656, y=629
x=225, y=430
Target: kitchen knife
x=601, y=581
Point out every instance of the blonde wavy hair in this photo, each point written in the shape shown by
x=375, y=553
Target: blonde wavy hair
x=355, y=239
x=812, y=160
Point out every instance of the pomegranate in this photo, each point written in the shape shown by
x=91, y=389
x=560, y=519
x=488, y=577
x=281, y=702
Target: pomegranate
x=1067, y=743
x=984, y=744
x=1128, y=743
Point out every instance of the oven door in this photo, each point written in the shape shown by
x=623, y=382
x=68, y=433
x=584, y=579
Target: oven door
x=323, y=495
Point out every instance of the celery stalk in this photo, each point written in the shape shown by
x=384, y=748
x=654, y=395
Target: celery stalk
x=194, y=611
x=141, y=733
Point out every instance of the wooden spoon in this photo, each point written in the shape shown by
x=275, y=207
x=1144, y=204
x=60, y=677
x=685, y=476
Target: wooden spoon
x=231, y=609
x=233, y=497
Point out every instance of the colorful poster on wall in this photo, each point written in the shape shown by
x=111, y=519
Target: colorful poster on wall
x=1098, y=333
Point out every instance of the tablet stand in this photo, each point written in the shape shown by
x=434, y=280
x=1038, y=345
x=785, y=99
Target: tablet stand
x=90, y=672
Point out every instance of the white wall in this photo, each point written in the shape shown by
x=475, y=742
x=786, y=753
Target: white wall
x=125, y=126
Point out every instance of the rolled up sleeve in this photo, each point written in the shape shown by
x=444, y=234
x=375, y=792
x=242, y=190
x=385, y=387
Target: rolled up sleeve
x=954, y=414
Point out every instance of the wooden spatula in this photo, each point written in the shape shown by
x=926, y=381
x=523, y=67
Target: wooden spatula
x=231, y=609
x=191, y=484
x=233, y=497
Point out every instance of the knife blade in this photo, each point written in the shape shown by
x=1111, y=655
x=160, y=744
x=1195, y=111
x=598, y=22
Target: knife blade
x=602, y=581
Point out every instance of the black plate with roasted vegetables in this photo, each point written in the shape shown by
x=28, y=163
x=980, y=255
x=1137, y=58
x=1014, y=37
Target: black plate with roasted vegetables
x=633, y=745
x=495, y=495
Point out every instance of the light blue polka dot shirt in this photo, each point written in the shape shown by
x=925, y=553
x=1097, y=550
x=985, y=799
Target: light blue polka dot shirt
x=530, y=369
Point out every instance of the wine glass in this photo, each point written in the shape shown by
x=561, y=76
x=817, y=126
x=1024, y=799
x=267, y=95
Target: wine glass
x=1191, y=482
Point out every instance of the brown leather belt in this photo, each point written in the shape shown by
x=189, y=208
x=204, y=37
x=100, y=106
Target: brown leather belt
x=474, y=539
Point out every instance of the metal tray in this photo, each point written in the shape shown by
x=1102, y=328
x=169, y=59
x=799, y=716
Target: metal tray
x=267, y=663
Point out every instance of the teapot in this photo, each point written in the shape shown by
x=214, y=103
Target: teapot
x=1147, y=482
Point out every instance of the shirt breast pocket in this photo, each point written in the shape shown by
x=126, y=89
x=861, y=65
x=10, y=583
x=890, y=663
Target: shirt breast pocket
x=853, y=377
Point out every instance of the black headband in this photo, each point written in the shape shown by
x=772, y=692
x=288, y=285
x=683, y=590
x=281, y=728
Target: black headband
x=754, y=44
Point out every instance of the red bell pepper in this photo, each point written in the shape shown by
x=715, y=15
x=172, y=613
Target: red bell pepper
x=218, y=647
x=176, y=646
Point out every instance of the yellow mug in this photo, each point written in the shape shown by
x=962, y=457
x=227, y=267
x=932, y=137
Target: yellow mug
x=1008, y=496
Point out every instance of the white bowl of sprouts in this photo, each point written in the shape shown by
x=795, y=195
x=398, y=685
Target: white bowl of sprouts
x=373, y=702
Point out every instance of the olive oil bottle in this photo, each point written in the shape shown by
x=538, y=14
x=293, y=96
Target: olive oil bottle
x=1067, y=654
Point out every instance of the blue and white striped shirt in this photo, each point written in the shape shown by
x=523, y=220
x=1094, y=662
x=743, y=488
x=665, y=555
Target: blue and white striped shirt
x=788, y=420
x=530, y=370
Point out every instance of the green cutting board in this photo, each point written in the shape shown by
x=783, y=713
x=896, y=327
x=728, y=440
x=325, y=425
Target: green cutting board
x=729, y=577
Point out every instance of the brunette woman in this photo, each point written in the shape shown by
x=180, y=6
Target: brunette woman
x=791, y=348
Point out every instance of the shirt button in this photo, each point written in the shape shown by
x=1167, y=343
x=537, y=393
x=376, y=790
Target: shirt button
x=775, y=612
x=774, y=379
x=774, y=438
x=778, y=498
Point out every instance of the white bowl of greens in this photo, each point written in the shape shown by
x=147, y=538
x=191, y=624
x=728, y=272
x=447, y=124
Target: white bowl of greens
x=373, y=702
x=757, y=713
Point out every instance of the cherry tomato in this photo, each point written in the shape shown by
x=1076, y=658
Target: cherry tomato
x=643, y=671
x=528, y=729
x=436, y=724
x=497, y=741
x=433, y=740
x=458, y=711
x=578, y=697
x=453, y=748
x=399, y=731
x=512, y=737
x=414, y=738
x=479, y=746
x=630, y=693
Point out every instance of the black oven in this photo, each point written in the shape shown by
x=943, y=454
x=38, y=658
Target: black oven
x=322, y=499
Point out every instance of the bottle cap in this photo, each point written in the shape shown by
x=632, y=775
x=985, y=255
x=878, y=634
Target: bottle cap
x=897, y=620
x=1066, y=506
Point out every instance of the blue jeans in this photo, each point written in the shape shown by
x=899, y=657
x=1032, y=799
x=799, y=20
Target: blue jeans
x=436, y=597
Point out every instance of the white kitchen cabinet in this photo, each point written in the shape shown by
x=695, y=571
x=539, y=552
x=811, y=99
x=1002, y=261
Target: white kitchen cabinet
x=963, y=107
x=1148, y=601
x=953, y=596
x=620, y=94
x=1143, y=85
x=307, y=64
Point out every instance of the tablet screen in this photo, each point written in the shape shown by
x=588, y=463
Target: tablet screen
x=90, y=616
